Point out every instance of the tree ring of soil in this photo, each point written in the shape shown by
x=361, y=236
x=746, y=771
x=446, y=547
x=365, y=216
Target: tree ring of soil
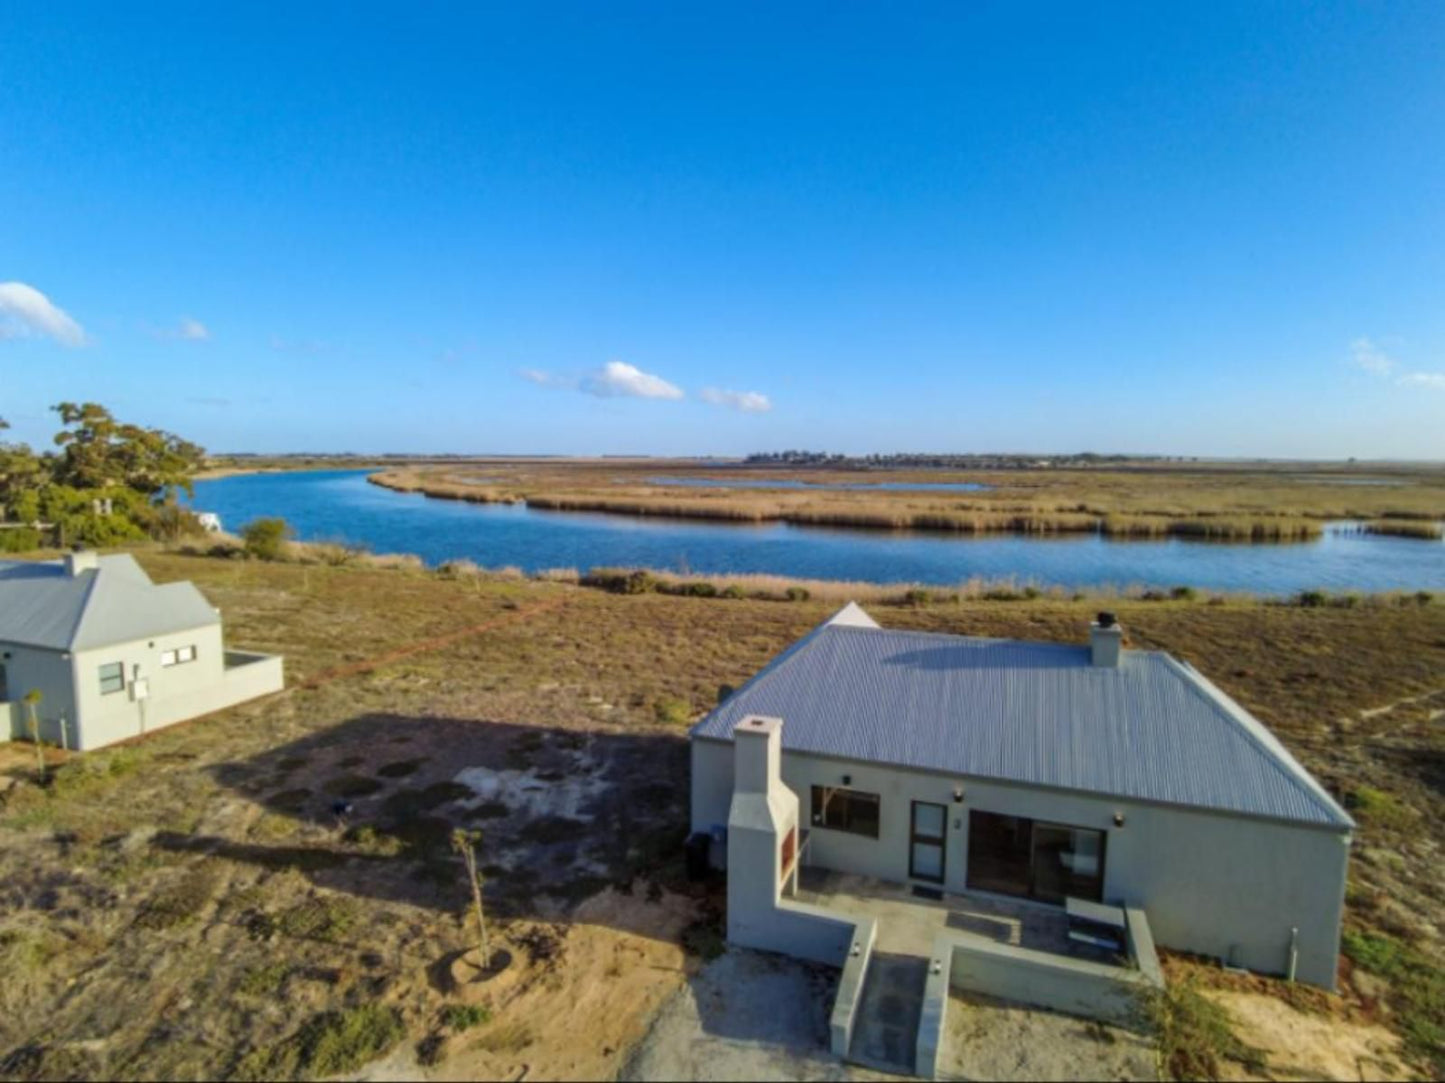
x=469, y=976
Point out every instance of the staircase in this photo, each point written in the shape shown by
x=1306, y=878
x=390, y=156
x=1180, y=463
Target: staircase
x=885, y=1033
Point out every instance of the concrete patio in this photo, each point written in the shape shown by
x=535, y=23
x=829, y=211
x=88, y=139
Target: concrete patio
x=908, y=921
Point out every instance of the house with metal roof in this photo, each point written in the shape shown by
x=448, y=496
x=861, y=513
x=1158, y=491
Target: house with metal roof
x=113, y=654
x=1060, y=776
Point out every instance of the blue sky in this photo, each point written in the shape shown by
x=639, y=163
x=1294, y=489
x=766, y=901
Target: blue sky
x=1213, y=230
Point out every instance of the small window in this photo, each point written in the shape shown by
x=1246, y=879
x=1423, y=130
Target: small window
x=846, y=810
x=178, y=656
x=112, y=678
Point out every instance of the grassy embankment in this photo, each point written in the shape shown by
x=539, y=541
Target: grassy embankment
x=187, y=906
x=1259, y=506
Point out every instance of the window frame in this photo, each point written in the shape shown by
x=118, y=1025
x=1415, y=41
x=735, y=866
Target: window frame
x=119, y=667
x=823, y=800
x=178, y=656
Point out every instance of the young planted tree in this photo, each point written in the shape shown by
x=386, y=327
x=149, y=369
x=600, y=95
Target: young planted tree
x=465, y=843
x=32, y=701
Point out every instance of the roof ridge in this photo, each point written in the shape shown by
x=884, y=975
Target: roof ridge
x=1052, y=643
x=84, y=608
x=1290, y=768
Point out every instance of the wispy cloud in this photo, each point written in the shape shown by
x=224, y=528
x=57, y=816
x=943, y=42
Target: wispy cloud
x=547, y=379
x=749, y=402
x=616, y=379
x=26, y=312
x=1365, y=354
x=185, y=329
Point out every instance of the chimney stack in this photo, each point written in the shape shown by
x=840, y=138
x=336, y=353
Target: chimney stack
x=1106, y=640
x=81, y=560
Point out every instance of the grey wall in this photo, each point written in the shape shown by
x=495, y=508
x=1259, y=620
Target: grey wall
x=1224, y=886
x=29, y=668
x=177, y=692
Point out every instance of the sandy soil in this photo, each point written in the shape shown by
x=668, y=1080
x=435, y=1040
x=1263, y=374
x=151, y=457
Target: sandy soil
x=1306, y=1045
x=991, y=1039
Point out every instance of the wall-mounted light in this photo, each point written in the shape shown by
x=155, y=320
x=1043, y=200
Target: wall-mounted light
x=1118, y=819
x=958, y=795
x=847, y=780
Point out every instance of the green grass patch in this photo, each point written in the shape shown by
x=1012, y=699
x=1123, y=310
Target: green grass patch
x=1380, y=809
x=672, y=711
x=328, y=1044
x=1417, y=990
x=264, y=981
x=178, y=903
x=320, y=918
x=461, y=1017
x=1195, y=1034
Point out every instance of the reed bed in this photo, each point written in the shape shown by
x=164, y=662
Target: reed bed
x=1405, y=528
x=1242, y=508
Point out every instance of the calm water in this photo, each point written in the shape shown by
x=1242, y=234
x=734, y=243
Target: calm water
x=341, y=504
x=837, y=487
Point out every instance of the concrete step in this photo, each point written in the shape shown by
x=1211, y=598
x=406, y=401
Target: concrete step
x=885, y=1032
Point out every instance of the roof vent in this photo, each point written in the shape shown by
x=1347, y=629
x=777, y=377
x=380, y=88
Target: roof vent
x=1106, y=640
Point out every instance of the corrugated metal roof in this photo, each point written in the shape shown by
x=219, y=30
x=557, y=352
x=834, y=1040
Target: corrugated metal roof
x=41, y=605
x=1034, y=713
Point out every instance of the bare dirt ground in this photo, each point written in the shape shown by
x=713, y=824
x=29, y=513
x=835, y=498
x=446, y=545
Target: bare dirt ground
x=1299, y=1045
x=190, y=907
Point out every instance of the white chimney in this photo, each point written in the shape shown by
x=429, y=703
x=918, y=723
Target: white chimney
x=757, y=755
x=81, y=560
x=1106, y=640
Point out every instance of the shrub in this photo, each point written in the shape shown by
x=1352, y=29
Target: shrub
x=1195, y=1034
x=1183, y=594
x=1312, y=599
x=916, y=597
x=735, y=591
x=464, y=1016
x=797, y=594
x=266, y=538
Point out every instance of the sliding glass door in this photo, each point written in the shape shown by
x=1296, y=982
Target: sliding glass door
x=1014, y=855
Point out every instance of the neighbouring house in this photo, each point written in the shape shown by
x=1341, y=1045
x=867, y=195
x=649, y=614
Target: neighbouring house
x=1030, y=771
x=113, y=654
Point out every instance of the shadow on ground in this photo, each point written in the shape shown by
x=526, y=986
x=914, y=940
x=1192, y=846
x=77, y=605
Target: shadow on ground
x=368, y=808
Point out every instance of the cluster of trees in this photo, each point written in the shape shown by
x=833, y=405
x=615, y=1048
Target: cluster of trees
x=107, y=482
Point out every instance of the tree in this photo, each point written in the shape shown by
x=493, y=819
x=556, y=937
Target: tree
x=99, y=452
x=32, y=701
x=21, y=472
x=464, y=842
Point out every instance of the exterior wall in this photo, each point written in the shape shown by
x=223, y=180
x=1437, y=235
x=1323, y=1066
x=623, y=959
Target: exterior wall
x=176, y=692
x=1224, y=886
x=29, y=668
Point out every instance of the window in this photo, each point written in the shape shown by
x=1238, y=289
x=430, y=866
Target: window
x=1049, y=862
x=4, y=684
x=112, y=678
x=178, y=656
x=846, y=810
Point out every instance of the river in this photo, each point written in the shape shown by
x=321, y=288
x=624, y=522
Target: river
x=342, y=505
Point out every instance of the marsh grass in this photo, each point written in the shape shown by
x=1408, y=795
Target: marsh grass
x=1405, y=528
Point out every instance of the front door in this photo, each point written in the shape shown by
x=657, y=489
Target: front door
x=926, y=841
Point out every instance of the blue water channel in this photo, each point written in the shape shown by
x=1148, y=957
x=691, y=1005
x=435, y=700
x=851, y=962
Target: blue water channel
x=343, y=505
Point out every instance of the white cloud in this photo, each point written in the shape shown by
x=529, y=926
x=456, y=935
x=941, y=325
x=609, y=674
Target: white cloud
x=25, y=311
x=1364, y=354
x=192, y=330
x=1424, y=379
x=618, y=378
x=749, y=402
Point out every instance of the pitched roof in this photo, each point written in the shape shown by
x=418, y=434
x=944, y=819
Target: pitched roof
x=42, y=605
x=1036, y=713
